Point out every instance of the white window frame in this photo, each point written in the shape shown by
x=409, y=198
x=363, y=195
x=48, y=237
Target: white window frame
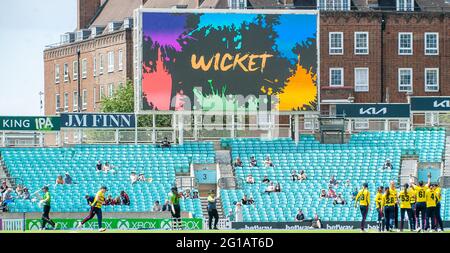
x=431, y=51
x=237, y=4
x=57, y=73
x=407, y=6
x=57, y=102
x=84, y=68
x=102, y=92
x=361, y=124
x=426, y=80
x=333, y=5
x=403, y=124
x=120, y=60
x=331, y=77
x=95, y=98
x=399, y=80
x=335, y=50
x=66, y=102
x=66, y=72
x=75, y=101
x=361, y=50
x=75, y=70
x=94, y=69
x=110, y=61
x=110, y=89
x=361, y=85
x=402, y=51
x=102, y=62
x=84, y=99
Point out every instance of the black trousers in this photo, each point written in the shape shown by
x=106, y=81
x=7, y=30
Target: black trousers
x=46, y=217
x=364, y=210
x=212, y=213
x=431, y=215
x=410, y=217
x=389, y=214
x=380, y=219
x=94, y=211
x=421, y=215
x=396, y=216
x=438, y=216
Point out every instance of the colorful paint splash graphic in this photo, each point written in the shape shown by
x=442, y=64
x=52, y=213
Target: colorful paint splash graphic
x=207, y=60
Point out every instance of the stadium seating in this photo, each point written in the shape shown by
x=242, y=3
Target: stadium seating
x=358, y=161
x=36, y=167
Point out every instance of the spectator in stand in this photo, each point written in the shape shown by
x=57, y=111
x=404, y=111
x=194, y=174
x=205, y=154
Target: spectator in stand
x=68, y=178
x=133, y=177
x=354, y=194
x=278, y=187
x=331, y=193
x=244, y=200
x=7, y=197
x=270, y=188
x=99, y=166
x=250, y=179
x=323, y=194
x=251, y=201
x=294, y=175
x=109, y=201
x=238, y=212
x=141, y=177
x=302, y=176
x=59, y=180
x=157, y=207
x=124, y=198
x=195, y=195
x=347, y=183
x=26, y=194
x=19, y=191
x=300, y=216
x=266, y=180
x=3, y=188
x=230, y=216
x=339, y=200
x=253, y=162
x=165, y=143
x=316, y=222
x=268, y=162
x=387, y=165
x=187, y=194
x=334, y=182
x=107, y=168
x=166, y=207
x=3, y=206
x=238, y=162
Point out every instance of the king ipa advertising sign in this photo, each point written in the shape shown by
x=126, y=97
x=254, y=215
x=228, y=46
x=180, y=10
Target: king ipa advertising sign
x=24, y=123
x=216, y=61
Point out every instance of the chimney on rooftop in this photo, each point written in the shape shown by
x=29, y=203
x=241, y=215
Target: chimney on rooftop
x=86, y=11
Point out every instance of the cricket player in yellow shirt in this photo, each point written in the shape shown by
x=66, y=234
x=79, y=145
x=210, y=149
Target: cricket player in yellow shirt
x=431, y=201
x=363, y=197
x=388, y=203
x=378, y=205
x=405, y=207
x=421, y=206
x=437, y=190
x=96, y=209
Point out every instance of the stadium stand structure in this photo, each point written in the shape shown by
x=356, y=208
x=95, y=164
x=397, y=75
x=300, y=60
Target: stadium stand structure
x=358, y=161
x=41, y=166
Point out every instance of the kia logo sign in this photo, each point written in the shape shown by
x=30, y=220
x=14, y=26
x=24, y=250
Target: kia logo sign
x=373, y=110
x=442, y=104
x=436, y=104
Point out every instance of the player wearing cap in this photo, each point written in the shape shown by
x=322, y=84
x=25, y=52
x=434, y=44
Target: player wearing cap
x=363, y=197
x=175, y=208
x=96, y=209
x=421, y=206
x=46, y=201
x=212, y=210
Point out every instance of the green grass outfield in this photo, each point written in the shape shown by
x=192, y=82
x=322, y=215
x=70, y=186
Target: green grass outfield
x=211, y=231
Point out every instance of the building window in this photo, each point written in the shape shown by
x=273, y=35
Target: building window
x=84, y=68
x=334, y=5
x=361, y=43
x=84, y=99
x=57, y=103
x=336, y=43
x=405, y=79
x=405, y=43
x=336, y=77
x=95, y=67
x=66, y=101
x=95, y=98
x=237, y=4
x=110, y=61
x=361, y=79
x=66, y=72
x=431, y=43
x=120, y=60
x=57, y=73
x=111, y=90
x=403, y=124
x=431, y=79
x=361, y=124
x=75, y=70
x=101, y=65
x=75, y=101
x=102, y=92
x=405, y=5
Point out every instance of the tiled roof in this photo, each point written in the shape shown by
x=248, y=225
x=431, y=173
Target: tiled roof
x=115, y=10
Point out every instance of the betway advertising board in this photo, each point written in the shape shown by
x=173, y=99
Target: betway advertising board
x=97, y=120
x=120, y=224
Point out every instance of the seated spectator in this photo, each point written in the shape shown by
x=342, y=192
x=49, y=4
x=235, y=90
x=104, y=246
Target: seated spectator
x=157, y=207
x=125, y=198
x=253, y=162
x=266, y=180
x=354, y=193
x=3, y=188
x=323, y=194
x=316, y=222
x=165, y=143
x=187, y=194
x=230, y=215
x=278, y=187
x=294, y=175
x=387, y=165
x=7, y=197
x=251, y=201
x=141, y=177
x=238, y=211
x=244, y=200
x=26, y=194
x=339, y=200
x=109, y=200
x=347, y=183
x=302, y=176
x=333, y=181
x=300, y=216
x=133, y=177
x=68, y=178
x=166, y=206
x=19, y=190
x=331, y=193
x=238, y=162
x=195, y=195
x=250, y=179
x=270, y=188
x=107, y=168
x=59, y=180
x=99, y=166
x=268, y=162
